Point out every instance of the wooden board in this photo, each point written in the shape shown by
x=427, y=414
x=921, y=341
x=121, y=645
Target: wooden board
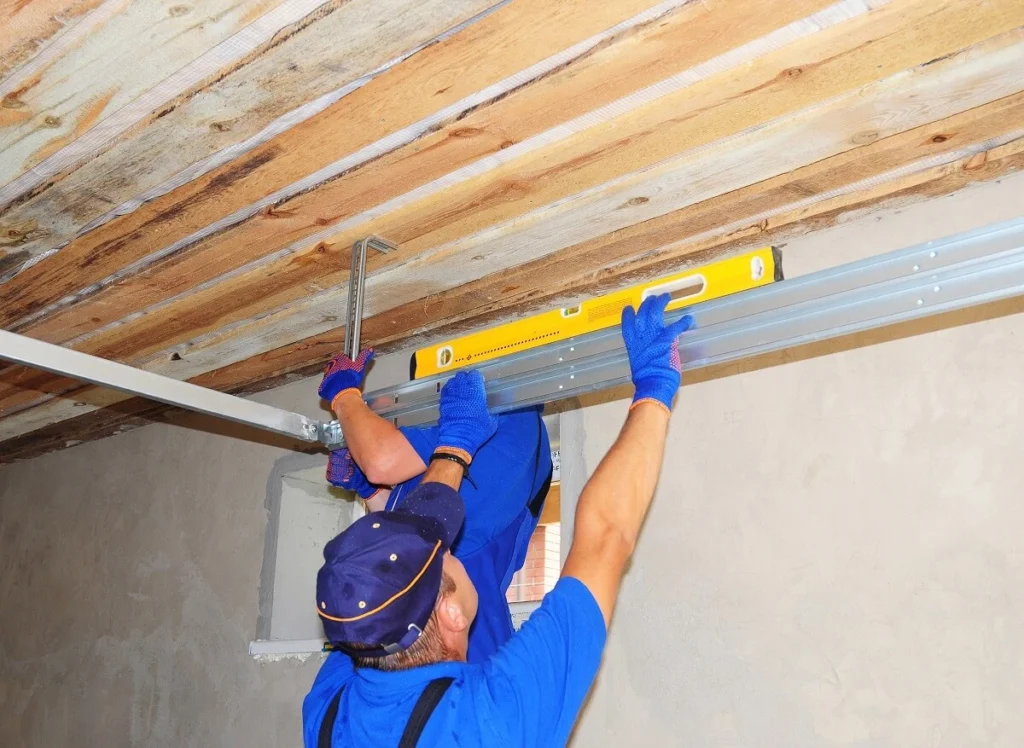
x=307, y=68
x=515, y=37
x=81, y=89
x=517, y=174
x=662, y=128
x=136, y=329
x=29, y=26
x=595, y=80
x=963, y=169
x=796, y=139
x=272, y=367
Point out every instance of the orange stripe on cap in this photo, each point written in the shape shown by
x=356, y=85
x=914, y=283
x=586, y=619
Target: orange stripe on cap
x=387, y=602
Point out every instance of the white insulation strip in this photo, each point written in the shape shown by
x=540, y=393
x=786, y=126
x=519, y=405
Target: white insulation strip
x=743, y=54
x=238, y=46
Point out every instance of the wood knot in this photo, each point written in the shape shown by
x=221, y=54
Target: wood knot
x=940, y=138
x=50, y=121
x=465, y=132
x=176, y=11
x=793, y=72
x=976, y=161
x=634, y=201
x=865, y=137
x=506, y=144
x=220, y=127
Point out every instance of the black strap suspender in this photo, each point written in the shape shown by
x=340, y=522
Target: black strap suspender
x=425, y=706
x=323, y=740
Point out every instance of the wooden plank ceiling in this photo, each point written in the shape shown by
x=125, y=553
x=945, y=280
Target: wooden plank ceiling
x=180, y=182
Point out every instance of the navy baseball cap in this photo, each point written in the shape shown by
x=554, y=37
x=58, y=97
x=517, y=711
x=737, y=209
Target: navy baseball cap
x=381, y=576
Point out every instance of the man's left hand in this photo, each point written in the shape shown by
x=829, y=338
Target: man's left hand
x=464, y=423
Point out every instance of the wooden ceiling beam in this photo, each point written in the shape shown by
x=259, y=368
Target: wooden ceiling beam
x=954, y=82
x=440, y=236
x=255, y=312
x=234, y=301
x=726, y=149
x=483, y=308
x=689, y=37
x=513, y=38
x=271, y=367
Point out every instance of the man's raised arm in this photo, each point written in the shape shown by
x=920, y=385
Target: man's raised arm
x=615, y=500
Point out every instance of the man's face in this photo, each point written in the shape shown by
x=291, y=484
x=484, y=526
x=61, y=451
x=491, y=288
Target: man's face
x=465, y=593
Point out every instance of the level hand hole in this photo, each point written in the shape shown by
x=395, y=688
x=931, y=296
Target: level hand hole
x=683, y=288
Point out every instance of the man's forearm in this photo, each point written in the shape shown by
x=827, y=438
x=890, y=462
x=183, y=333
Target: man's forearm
x=365, y=431
x=621, y=489
x=377, y=446
x=614, y=503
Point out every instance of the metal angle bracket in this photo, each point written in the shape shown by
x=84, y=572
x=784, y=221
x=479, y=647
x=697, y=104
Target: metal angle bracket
x=329, y=434
x=357, y=288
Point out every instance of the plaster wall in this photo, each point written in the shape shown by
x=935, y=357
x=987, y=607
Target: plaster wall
x=834, y=554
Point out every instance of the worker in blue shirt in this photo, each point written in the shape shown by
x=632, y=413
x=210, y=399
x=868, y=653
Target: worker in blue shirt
x=503, y=496
x=393, y=597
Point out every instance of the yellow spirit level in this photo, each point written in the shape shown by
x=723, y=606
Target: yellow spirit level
x=712, y=281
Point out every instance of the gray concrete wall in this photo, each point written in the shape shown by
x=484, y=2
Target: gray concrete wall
x=129, y=586
x=835, y=553
x=834, y=557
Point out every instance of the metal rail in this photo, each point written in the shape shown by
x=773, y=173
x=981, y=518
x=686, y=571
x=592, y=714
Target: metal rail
x=973, y=268
x=71, y=363
x=963, y=270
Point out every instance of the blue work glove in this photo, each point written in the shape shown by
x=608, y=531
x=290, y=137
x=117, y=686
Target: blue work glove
x=464, y=424
x=343, y=374
x=653, y=351
x=342, y=471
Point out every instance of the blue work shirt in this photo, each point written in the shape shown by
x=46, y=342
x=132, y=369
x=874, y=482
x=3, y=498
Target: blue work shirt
x=527, y=694
x=509, y=470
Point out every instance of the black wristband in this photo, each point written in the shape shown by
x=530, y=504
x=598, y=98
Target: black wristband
x=457, y=460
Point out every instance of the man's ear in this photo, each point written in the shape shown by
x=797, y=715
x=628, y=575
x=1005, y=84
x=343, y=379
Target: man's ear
x=451, y=616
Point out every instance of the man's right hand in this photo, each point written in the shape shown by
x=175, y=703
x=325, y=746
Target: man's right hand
x=464, y=422
x=344, y=375
x=653, y=351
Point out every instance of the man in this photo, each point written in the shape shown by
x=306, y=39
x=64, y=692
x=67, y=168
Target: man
x=392, y=596
x=503, y=496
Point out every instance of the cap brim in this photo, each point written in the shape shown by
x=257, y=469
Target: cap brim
x=440, y=503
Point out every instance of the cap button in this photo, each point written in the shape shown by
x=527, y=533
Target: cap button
x=362, y=604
